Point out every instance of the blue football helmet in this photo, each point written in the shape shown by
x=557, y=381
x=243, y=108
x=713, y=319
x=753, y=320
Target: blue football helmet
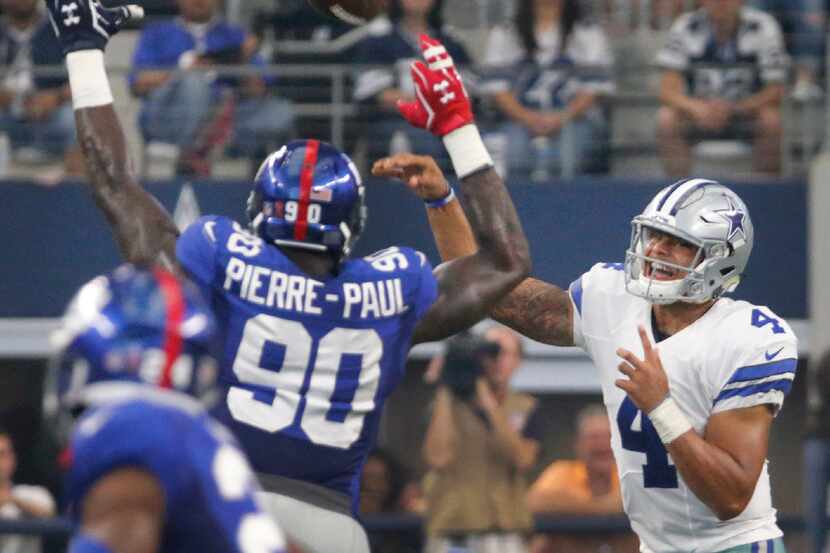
x=133, y=326
x=308, y=195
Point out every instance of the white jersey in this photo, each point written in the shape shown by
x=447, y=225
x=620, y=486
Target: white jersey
x=736, y=355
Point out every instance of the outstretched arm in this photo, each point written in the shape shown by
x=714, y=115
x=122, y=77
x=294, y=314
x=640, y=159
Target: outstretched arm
x=534, y=308
x=471, y=285
x=143, y=229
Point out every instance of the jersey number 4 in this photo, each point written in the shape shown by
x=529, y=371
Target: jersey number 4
x=657, y=472
x=331, y=393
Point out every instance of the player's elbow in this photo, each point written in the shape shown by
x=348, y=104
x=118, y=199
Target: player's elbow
x=523, y=263
x=517, y=265
x=731, y=509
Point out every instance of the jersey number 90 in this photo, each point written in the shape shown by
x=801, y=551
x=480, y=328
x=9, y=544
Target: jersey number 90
x=329, y=404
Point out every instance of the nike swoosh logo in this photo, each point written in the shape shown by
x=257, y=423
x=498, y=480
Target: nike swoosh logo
x=209, y=230
x=771, y=356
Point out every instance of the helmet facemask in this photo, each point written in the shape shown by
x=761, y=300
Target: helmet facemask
x=710, y=217
x=689, y=287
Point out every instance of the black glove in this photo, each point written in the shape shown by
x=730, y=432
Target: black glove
x=87, y=24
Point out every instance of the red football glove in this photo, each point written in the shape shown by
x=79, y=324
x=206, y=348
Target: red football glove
x=441, y=105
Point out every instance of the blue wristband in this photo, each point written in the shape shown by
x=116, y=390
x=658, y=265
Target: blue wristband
x=441, y=202
x=84, y=543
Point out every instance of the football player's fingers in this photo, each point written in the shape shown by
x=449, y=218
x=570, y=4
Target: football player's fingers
x=630, y=357
x=625, y=385
x=626, y=369
x=412, y=112
x=414, y=161
x=641, y=330
x=382, y=168
x=131, y=12
x=418, y=70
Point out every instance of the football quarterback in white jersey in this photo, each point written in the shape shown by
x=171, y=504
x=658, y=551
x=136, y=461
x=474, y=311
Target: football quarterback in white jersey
x=691, y=380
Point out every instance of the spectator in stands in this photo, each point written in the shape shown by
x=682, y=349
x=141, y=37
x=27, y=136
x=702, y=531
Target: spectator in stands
x=817, y=453
x=392, y=46
x=18, y=501
x=724, y=68
x=481, y=440
x=188, y=105
x=546, y=72
x=35, y=112
x=587, y=485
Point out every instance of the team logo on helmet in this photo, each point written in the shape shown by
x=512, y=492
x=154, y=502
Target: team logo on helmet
x=735, y=218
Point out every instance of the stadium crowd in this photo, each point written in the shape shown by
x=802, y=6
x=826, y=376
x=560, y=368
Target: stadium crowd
x=562, y=79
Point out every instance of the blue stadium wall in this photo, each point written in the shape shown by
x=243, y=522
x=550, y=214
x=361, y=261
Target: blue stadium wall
x=54, y=239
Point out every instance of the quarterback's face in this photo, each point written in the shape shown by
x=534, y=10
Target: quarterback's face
x=671, y=249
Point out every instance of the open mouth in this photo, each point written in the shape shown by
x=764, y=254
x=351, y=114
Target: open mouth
x=659, y=271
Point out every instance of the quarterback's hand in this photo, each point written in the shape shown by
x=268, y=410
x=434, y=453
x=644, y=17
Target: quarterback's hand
x=87, y=24
x=420, y=174
x=647, y=384
x=441, y=103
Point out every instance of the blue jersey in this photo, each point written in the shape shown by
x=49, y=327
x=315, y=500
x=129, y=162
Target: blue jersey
x=207, y=483
x=307, y=363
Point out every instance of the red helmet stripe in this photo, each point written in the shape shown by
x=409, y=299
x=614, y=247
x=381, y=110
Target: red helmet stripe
x=174, y=299
x=306, y=179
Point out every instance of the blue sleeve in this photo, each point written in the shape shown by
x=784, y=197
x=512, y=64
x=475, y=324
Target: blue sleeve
x=83, y=543
x=198, y=247
x=427, y=290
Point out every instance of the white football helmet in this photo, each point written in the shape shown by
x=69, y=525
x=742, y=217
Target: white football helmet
x=707, y=215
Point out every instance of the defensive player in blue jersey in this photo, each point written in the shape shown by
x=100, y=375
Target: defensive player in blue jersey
x=314, y=341
x=147, y=469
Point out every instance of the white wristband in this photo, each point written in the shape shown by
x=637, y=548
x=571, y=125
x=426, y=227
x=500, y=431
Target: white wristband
x=88, y=79
x=669, y=421
x=467, y=150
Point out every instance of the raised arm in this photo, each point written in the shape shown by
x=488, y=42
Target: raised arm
x=143, y=229
x=471, y=285
x=537, y=309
